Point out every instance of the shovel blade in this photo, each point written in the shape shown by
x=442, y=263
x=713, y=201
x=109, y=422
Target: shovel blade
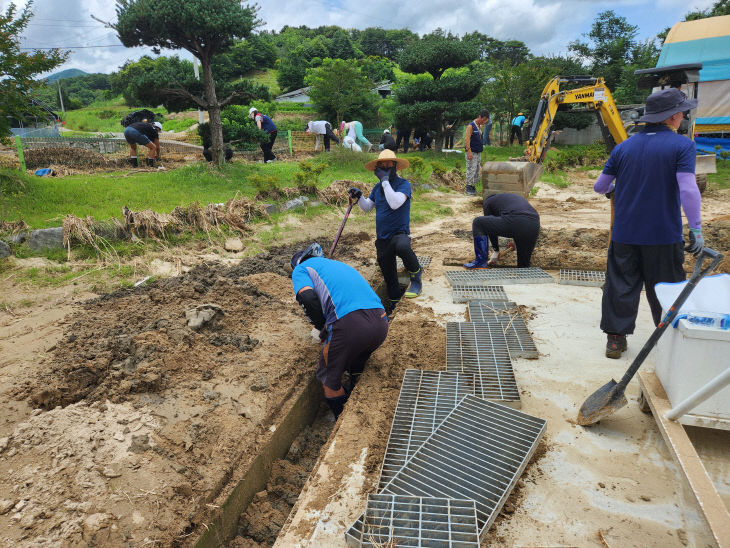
x=602, y=403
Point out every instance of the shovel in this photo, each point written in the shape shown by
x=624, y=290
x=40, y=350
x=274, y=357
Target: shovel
x=610, y=397
x=342, y=226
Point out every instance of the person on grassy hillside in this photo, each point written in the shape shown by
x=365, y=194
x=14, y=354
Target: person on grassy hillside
x=516, y=128
x=391, y=198
x=264, y=123
x=403, y=134
x=387, y=141
x=474, y=146
x=349, y=315
x=654, y=174
x=145, y=134
x=509, y=216
x=354, y=136
x=487, y=132
x=321, y=128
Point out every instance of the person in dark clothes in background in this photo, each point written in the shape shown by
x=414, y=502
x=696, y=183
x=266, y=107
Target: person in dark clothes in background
x=387, y=141
x=145, y=134
x=402, y=134
x=264, y=123
x=510, y=216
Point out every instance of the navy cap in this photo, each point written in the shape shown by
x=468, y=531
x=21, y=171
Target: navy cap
x=665, y=103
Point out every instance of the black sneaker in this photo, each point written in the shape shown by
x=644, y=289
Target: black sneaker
x=471, y=190
x=615, y=345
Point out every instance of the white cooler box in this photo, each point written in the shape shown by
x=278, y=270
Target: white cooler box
x=688, y=356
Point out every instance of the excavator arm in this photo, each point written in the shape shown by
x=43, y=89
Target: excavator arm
x=595, y=96
x=520, y=176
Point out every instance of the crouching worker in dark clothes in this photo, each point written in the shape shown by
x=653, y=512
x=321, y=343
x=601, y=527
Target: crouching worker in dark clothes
x=142, y=133
x=348, y=313
x=510, y=216
x=391, y=198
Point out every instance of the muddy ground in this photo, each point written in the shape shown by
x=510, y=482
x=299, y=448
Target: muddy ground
x=123, y=425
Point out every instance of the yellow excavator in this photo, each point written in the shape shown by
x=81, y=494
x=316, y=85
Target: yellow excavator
x=520, y=174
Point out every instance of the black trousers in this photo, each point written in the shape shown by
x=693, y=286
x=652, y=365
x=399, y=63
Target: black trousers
x=523, y=229
x=449, y=142
x=329, y=135
x=398, y=245
x=266, y=147
x=402, y=135
x=628, y=268
x=516, y=130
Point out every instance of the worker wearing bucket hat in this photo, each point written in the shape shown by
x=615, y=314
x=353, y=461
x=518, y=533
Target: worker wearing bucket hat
x=654, y=174
x=391, y=198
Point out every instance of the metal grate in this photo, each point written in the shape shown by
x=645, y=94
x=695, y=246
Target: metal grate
x=426, y=398
x=582, y=277
x=489, y=276
x=478, y=452
x=398, y=520
x=423, y=261
x=466, y=293
x=480, y=349
x=519, y=340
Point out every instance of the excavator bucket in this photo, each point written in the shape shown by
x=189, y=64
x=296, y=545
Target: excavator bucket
x=515, y=177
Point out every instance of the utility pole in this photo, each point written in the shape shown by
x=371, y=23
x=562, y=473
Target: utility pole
x=60, y=97
x=197, y=77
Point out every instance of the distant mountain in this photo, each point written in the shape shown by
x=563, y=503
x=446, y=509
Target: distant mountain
x=68, y=73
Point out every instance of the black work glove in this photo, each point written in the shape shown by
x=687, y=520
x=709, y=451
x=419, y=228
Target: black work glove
x=323, y=334
x=355, y=194
x=391, y=175
x=611, y=191
x=382, y=174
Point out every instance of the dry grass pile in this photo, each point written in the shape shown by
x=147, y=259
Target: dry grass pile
x=77, y=158
x=13, y=227
x=453, y=179
x=336, y=193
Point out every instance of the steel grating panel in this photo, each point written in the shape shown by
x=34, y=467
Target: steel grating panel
x=491, y=276
x=426, y=398
x=478, y=452
x=423, y=261
x=398, y=520
x=466, y=293
x=582, y=277
x=481, y=349
x=519, y=339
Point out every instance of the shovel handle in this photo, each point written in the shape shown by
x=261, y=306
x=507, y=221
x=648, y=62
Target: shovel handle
x=697, y=274
x=342, y=226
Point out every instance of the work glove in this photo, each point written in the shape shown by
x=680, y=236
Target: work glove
x=382, y=174
x=696, y=241
x=323, y=334
x=611, y=190
x=355, y=194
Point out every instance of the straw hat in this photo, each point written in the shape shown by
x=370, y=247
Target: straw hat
x=387, y=155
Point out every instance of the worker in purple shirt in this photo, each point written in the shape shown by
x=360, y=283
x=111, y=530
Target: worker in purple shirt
x=650, y=175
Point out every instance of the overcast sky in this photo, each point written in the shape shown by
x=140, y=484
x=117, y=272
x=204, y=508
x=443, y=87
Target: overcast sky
x=546, y=26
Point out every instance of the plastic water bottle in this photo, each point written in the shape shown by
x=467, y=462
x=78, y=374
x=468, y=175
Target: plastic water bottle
x=709, y=319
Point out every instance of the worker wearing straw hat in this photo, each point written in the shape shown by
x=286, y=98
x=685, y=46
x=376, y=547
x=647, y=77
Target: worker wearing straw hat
x=391, y=198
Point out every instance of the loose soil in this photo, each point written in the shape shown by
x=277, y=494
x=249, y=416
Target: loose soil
x=122, y=425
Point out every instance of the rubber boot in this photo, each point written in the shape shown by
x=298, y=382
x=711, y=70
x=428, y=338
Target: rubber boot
x=133, y=161
x=150, y=162
x=337, y=404
x=414, y=290
x=481, y=250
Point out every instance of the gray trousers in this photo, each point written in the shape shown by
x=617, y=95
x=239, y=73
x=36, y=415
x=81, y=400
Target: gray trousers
x=473, y=168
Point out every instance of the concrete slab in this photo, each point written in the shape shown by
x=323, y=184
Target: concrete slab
x=614, y=483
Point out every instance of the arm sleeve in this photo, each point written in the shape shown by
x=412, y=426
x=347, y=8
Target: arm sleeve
x=309, y=302
x=394, y=199
x=603, y=183
x=689, y=195
x=366, y=204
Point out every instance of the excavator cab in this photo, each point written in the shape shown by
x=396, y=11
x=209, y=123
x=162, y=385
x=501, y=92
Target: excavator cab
x=686, y=78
